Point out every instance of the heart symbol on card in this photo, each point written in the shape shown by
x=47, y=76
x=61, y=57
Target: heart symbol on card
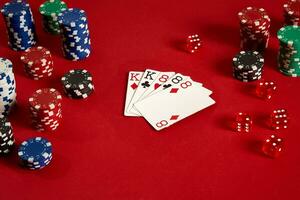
x=156, y=85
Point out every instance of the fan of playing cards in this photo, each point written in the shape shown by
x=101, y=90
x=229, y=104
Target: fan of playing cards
x=164, y=98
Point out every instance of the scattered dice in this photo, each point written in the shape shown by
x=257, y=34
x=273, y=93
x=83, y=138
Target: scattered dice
x=272, y=146
x=265, y=89
x=279, y=119
x=242, y=122
x=193, y=43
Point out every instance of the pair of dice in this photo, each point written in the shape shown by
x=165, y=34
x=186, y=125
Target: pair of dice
x=278, y=120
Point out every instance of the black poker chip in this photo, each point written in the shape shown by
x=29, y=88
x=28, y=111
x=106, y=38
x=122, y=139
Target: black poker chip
x=6, y=136
x=247, y=66
x=78, y=83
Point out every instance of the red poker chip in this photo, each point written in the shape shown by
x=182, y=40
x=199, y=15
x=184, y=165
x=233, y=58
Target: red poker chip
x=253, y=16
x=36, y=55
x=46, y=98
x=292, y=8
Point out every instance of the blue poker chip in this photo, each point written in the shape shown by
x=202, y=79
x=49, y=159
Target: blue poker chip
x=72, y=17
x=14, y=8
x=34, y=150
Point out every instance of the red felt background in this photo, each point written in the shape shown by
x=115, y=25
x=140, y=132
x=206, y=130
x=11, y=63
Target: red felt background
x=100, y=154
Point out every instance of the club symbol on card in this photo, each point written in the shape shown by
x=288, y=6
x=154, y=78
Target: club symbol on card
x=145, y=84
x=167, y=86
x=156, y=85
x=174, y=90
x=134, y=86
x=174, y=117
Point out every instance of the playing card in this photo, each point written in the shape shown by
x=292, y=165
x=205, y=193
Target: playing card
x=134, y=78
x=148, y=77
x=174, y=104
x=161, y=79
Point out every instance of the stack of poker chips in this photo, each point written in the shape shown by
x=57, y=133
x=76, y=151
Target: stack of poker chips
x=291, y=12
x=6, y=136
x=49, y=11
x=289, y=51
x=254, y=29
x=35, y=153
x=46, y=109
x=247, y=66
x=20, y=25
x=78, y=83
x=76, y=43
x=7, y=86
x=38, y=62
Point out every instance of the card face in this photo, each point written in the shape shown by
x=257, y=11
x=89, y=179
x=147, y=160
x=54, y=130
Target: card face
x=174, y=104
x=161, y=79
x=134, y=78
x=148, y=78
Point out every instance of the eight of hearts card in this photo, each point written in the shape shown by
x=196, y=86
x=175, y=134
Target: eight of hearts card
x=164, y=98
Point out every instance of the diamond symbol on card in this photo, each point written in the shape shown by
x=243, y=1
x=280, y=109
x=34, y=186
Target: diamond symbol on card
x=174, y=90
x=134, y=86
x=174, y=117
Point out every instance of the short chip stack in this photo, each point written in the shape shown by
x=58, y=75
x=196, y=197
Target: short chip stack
x=45, y=106
x=291, y=12
x=7, y=86
x=247, y=66
x=49, y=11
x=35, y=153
x=76, y=43
x=78, y=83
x=38, y=62
x=254, y=29
x=289, y=51
x=20, y=25
x=6, y=136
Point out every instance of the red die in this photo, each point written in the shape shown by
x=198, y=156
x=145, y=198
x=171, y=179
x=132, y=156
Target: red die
x=242, y=122
x=272, y=146
x=265, y=89
x=193, y=43
x=279, y=119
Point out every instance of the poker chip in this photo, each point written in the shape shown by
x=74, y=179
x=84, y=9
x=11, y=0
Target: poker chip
x=7, y=86
x=247, y=66
x=254, y=29
x=38, y=62
x=49, y=11
x=46, y=109
x=291, y=12
x=35, y=153
x=76, y=43
x=289, y=51
x=78, y=83
x=19, y=24
x=6, y=136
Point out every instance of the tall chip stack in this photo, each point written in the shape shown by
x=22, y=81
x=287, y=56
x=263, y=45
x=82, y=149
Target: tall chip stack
x=46, y=109
x=6, y=136
x=254, y=29
x=76, y=43
x=291, y=12
x=20, y=25
x=289, y=51
x=7, y=86
x=49, y=11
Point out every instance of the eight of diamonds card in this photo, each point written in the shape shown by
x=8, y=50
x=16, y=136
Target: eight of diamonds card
x=174, y=104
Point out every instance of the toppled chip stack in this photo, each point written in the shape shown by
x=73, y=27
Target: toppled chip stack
x=46, y=109
x=291, y=12
x=76, y=43
x=35, y=153
x=49, y=11
x=78, y=83
x=247, y=66
x=254, y=29
x=7, y=86
x=38, y=62
x=6, y=136
x=20, y=25
x=289, y=51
